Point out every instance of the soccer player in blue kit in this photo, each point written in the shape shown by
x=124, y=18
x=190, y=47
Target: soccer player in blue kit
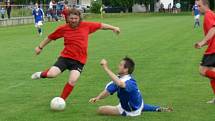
x=38, y=18
x=130, y=98
x=196, y=14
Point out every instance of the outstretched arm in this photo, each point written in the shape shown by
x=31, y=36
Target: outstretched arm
x=113, y=76
x=110, y=27
x=102, y=95
x=42, y=44
x=209, y=35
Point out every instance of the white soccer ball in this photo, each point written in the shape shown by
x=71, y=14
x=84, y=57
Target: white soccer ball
x=57, y=104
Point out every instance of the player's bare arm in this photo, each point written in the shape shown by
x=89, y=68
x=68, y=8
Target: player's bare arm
x=110, y=27
x=202, y=43
x=39, y=48
x=102, y=95
x=113, y=76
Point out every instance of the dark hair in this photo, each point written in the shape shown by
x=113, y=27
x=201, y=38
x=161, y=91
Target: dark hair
x=129, y=64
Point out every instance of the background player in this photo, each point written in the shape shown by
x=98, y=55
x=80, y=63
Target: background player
x=207, y=67
x=38, y=18
x=196, y=14
x=131, y=101
x=65, y=11
x=74, y=55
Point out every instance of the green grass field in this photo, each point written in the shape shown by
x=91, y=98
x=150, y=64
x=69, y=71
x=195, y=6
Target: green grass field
x=166, y=71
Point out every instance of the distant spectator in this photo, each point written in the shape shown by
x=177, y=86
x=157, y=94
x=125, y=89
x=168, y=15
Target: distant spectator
x=162, y=7
x=157, y=6
x=65, y=11
x=178, y=7
x=54, y=5
x=48, y=15
x=170, y=7
x=52, y=10
x=8, y=7
x=51, y=3
x=59, y=8
x=2, y=11
x=102, y=11
x=174, y=9
x=54, y=15
x=149, y=8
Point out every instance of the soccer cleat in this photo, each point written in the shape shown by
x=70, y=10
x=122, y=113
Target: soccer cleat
x=211, y=101
x=165, y=109
x=36, y=75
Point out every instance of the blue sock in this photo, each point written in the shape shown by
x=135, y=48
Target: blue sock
x=150, y=108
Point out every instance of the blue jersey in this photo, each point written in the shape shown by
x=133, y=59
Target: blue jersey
x=196, y=10
x=38, y=15
x=130, y=97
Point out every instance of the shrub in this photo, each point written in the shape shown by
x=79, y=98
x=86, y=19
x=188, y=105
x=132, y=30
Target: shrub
x=95, y=7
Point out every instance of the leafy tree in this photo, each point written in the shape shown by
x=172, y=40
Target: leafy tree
x=28, y=1
x=95, y=6
x=125, y=3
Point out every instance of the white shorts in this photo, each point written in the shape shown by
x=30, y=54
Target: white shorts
x=39, y=23
x=132, y=113
x=197, y=17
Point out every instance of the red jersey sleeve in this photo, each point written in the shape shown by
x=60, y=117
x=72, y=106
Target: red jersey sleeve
x=58, y=33
x=209, y=20
x=94, y=26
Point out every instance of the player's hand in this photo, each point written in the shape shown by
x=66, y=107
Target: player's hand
x=93, y=100
x=197, y=46
x=38, y=50
x=200, y=44
x=116, y=30
x=104, y=63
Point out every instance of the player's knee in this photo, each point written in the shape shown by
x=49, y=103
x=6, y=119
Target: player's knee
x=202, y=70
x=52, y=74
x=101, y=110
x=72, y=82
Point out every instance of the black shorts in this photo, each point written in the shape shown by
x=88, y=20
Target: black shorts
x=208, y=60
x=70, y=64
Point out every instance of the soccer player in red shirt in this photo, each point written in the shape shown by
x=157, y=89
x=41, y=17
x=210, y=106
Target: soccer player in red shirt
x=74, y=55
x=207, y=67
